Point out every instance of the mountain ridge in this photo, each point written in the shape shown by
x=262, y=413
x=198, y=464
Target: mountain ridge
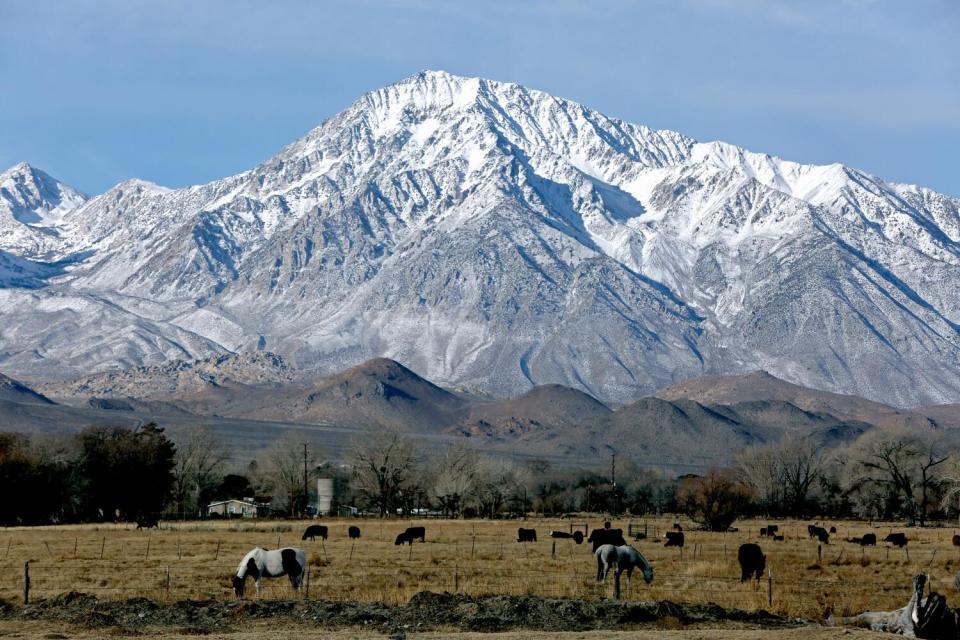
x=499, y=238
x=551, y=422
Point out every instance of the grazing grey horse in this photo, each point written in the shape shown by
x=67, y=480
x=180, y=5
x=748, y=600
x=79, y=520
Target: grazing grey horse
x=626, y=558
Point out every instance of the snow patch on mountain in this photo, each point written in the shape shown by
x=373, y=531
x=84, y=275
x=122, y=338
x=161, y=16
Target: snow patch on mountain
x=497, y=237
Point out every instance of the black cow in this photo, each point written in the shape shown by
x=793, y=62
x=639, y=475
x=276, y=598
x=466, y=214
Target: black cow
x=147, y=522
x=526, y=535
x=354, y=532
x=818, y=532
x=674, y=539
x=956, y=540
x=869, y=540
x=677, y=527
x=752, y=561
x=897, y=539
x=770, y=530
x=600, y=537
x=411, y=534
x=763, y=532
x=778, y=537
x=833, y=529
x=576, y=536
x=315, y=530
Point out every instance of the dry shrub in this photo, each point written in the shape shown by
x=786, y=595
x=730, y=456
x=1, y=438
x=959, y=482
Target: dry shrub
x=714, y=500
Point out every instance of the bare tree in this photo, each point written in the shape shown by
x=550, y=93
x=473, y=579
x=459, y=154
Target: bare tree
x=801, y=465
x=283, y=471
x=497, y=483
x=782, y=474
x=761, y=468
x=383, y=465
x=198, y=468
x=905, y=463
x=455, y=475
x=951, y=482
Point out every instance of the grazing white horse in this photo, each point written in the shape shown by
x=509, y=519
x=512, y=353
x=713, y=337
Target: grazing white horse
x=625, y=558
x=261, y=563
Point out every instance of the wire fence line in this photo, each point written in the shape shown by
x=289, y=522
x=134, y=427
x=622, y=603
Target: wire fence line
x=197, y=562
x=171, y=582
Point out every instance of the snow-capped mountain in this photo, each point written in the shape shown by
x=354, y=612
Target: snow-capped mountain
x=32, y=208
x=494, y=237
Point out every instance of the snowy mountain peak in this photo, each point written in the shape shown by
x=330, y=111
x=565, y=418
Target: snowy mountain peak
x=33, y=197
x=496, y=237
x=32, y=206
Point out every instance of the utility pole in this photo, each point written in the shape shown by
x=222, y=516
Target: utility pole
x=613, y=479
x=306, y=493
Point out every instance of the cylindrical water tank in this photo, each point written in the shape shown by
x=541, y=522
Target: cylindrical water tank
x=324, y=496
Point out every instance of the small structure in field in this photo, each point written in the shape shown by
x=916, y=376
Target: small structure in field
x=232, y=509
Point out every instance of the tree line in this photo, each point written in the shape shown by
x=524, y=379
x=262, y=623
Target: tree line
x=107, y=473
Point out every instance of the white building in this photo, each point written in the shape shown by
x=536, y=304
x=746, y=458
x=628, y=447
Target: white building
x=232, y=508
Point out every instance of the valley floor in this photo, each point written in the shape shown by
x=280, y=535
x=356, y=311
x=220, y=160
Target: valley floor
x=470, y=575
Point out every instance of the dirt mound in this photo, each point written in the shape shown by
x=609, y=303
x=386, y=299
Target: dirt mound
x=500, y=613
x=424, y=611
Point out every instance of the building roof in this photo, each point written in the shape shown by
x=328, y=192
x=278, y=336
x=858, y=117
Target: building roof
x=219, y=502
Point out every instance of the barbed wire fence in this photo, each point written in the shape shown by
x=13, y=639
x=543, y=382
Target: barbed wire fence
x=168, y=568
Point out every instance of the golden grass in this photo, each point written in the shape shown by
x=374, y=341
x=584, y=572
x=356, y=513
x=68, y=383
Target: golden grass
x=474, y=557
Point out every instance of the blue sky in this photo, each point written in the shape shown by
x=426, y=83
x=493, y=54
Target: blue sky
x=182, y=92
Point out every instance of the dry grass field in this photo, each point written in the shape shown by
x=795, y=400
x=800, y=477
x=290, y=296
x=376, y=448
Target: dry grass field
x=476, y=557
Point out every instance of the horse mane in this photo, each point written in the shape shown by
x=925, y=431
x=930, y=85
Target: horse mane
x=643, y=560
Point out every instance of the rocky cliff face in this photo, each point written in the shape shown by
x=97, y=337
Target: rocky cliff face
x=493, y=237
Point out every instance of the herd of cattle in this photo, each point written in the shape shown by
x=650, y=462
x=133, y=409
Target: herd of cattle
x=608, y=545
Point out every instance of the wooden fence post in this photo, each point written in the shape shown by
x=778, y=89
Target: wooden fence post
x=553, y=550
x=26, y=583
x=456, y=578
x=819, y=553
x=147, y=555
x=49, y=552
x=168, y=582
x=216, y=554
x=770, y=589
x=307, y=596
x=103, y=543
